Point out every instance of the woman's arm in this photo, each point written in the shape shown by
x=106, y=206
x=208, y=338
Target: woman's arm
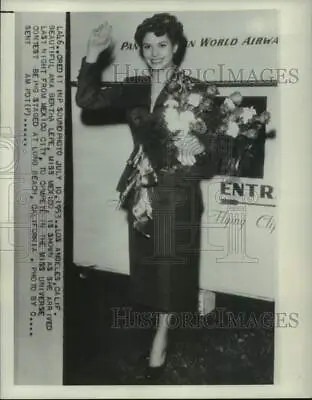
x=89, y=93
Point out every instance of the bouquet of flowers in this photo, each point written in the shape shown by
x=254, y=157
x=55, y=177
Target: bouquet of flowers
x=190, y=128
x=197, y=123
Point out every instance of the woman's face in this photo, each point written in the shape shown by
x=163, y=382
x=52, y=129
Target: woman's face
x=158, y=51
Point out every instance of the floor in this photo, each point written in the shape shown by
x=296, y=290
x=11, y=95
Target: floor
x=95, y=353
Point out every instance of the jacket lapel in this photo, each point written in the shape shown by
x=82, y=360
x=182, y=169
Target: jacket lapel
x=162, y=97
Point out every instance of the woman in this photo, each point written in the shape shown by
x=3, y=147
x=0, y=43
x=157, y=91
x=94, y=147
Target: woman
x=160, y=184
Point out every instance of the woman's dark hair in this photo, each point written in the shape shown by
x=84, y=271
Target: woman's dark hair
x=163, y=24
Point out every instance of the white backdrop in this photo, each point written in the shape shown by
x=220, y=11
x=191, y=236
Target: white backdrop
x=100, y=152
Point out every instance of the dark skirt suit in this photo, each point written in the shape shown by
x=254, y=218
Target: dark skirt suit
x=164, y=261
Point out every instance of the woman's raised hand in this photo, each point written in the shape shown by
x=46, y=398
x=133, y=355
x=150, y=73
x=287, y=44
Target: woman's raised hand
x=99, y=40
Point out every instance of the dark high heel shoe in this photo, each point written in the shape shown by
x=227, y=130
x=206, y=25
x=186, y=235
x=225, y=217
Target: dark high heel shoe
x=152, y=374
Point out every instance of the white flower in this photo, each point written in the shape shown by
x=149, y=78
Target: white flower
x=171, y=103
x=233, y=129
x=194, y=99
x=179, y=122
x=186, y=119
x=172, y=119
x=229, y=104
x=237, y=98
x=248, y=113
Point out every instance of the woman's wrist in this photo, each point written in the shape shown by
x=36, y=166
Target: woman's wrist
x=92, y=57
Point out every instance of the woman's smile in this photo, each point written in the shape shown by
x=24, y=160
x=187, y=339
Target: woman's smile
x=157, y=61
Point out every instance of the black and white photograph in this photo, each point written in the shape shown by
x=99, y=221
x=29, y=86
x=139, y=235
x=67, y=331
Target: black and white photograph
x=148, y=186
x=172, y=180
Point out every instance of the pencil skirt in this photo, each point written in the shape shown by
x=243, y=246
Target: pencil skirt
x=164, y=267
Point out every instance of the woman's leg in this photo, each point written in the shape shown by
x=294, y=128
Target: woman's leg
x=158, y=350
